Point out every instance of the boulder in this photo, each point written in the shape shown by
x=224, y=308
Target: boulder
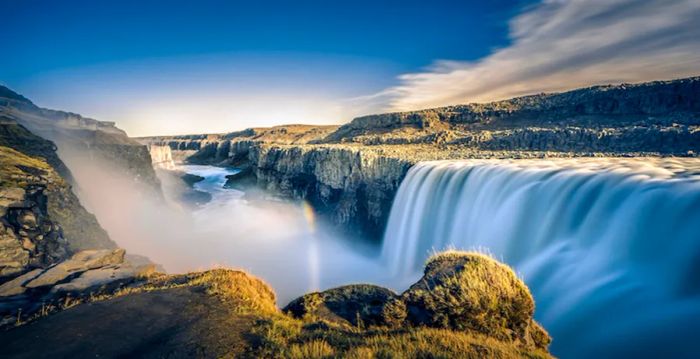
x=102, y=276
x=472, y=291
x=80, y=262
x=357, y=305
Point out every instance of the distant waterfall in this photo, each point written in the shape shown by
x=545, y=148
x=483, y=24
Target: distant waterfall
x=609, y=247
x=161, y=157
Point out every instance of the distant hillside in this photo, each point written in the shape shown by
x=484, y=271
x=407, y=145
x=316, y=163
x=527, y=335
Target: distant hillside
x=624, y=108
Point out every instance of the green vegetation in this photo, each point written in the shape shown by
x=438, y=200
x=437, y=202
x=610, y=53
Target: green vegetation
x=29, y=159
x=466, y=305
x=19, y=170
x=472, y=291
x=469, y=306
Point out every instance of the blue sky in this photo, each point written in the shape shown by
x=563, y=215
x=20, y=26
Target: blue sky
x=110, y=59
x=162, y=67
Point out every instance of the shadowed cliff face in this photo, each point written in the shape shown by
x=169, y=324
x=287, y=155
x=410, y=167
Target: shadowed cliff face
x=44, y=171
x=72, y=133
x=351, y=173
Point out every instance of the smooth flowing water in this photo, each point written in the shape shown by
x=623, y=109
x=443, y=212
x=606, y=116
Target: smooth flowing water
x=610, y=248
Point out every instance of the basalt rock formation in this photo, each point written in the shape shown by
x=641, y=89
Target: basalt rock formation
x=350, y=173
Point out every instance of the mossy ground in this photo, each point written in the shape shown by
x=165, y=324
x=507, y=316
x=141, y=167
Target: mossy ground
x=284, y=337
x=19, y=170
x=262, y=330
x=471, y=307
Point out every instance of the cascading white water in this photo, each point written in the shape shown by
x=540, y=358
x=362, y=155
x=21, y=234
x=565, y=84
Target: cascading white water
x=610, y=248
x=161, y=157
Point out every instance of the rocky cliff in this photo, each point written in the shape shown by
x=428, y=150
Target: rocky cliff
x=50, y=246
x=73, y=133
x=351, y=173
x=31, y=166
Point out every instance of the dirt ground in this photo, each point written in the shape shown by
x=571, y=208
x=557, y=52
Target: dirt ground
x=172, y=323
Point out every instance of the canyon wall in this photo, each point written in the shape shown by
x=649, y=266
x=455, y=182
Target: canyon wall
x=51, y=180
x=41, y=219
x=90, y=139
x=351, y=173
x=353, y=188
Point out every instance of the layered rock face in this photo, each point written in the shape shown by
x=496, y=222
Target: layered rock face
x=43, y=224
x=50, y=246
x=94, y=140
x=28, y=238
x=36, y=164
x=351, y=173
x=660, y=116
x=41, y=220
x=353, y=188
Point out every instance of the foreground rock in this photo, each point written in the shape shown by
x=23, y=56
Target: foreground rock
x=465, y=293
x=81, y=275
x=357, y=305
x=225, y=313
x=202, y=315
x=471, y=291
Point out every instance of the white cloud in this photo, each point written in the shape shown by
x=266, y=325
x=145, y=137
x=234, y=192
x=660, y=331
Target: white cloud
x=559, y=45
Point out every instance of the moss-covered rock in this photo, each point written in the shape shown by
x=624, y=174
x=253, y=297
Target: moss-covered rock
x=471, y=291
x=358, y=305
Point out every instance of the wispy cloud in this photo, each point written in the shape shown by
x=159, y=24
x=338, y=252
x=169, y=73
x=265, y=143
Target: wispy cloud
x=559, y=45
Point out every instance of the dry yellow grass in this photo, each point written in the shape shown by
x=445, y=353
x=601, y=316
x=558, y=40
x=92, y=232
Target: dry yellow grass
x=477, y=308
x=15, y=168
x=276, y=335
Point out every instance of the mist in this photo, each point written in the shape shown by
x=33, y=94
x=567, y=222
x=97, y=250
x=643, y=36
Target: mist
x=279, y=241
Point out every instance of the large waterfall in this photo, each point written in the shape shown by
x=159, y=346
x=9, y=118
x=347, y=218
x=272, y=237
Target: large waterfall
x=161, y=156
x=609, y=247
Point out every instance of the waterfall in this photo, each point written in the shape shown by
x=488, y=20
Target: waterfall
x=161, y=157
x=610, y=248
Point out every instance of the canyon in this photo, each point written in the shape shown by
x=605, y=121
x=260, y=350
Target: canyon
x=350, y=173
x=575, y=191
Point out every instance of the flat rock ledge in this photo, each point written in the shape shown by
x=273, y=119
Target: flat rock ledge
x=82, y=273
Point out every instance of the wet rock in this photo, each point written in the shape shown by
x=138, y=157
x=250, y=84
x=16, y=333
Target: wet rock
x=190, y=179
